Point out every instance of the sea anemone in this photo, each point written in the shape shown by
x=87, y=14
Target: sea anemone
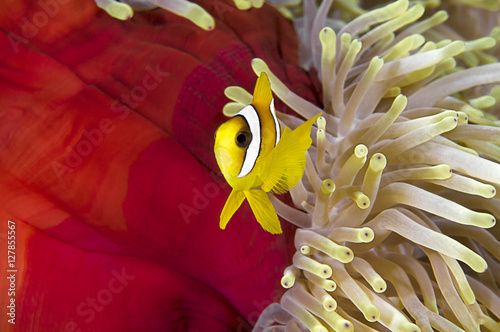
x=107, y=169
x=400, y=186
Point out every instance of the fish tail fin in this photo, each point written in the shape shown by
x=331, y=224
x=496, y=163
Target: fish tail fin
x=236, y=197
x=263, y=210
x=262, y=94
x=284, y=166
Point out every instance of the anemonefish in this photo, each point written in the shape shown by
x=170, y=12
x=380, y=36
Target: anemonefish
x=256, y=156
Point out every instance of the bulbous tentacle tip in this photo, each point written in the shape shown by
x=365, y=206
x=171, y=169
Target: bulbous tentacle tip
x=362, y=201
x=305, y=250
x=198, y=16
x=371, y=313
x=243, y=4
x=327, y=187
x=343, y=325
x=289, y=276
x=118, y=10
x=257, y=3
x=366, y=235
x=483, y=102
x=378, y=162
x=328, y=303
x=379, y=285
x=321, y=122
x=287, y=281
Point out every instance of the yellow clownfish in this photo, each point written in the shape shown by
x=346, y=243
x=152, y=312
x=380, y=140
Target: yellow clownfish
x=255, y=157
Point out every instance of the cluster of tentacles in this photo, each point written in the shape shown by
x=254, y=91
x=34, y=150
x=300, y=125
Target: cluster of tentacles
x=400, y=188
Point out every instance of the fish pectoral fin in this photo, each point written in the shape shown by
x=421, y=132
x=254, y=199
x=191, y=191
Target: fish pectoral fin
x=236, y=197
x=284, y=166
x=263, y=210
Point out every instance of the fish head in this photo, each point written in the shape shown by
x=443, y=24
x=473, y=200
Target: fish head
x=232, y=139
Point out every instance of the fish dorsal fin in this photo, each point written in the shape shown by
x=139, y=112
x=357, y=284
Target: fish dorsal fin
x=262, y=94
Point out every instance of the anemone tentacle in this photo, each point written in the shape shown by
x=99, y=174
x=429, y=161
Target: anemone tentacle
x=399, y=196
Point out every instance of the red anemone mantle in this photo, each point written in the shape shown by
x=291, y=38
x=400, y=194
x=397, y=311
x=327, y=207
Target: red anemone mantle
x=107, y=169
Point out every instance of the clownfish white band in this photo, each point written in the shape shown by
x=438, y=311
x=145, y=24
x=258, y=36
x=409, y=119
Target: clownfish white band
x=250, y=115
x=276, y=122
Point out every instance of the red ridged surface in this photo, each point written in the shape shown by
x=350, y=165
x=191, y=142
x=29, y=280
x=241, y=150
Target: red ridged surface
x=107, y=167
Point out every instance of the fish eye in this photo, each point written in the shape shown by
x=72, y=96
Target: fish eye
x=243, y=139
